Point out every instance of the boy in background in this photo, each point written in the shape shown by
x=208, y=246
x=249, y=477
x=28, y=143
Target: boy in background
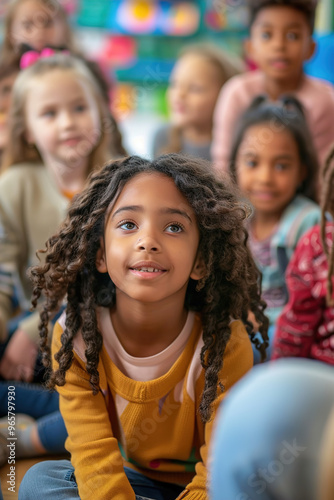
x=280, y=42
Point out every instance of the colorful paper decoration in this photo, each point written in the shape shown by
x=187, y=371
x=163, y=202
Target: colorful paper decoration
x=119, y=50
x=180, y=19
x=158, y=17
x=137, y=16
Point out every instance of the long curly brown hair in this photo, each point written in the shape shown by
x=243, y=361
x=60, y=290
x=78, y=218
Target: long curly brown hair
x=232, y=282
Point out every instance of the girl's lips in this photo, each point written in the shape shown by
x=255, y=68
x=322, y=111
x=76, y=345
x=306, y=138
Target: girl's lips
x=147, y=274
x=72, y=141
x=280, y=63
x=147, y=270
x=263, y=195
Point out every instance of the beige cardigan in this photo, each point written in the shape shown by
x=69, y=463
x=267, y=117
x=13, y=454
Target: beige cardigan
x=31, y=209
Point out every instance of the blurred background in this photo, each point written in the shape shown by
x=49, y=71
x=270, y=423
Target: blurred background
x=136, y=43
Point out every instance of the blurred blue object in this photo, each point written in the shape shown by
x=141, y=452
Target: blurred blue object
x=322, y=63
x=268, y=433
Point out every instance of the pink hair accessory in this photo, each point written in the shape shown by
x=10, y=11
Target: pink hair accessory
x=31, y=56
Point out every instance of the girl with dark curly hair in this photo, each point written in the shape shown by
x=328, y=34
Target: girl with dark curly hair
x=153, y=262
x=274, y=163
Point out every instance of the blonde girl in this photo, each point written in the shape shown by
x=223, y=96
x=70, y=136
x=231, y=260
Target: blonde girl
x=37, y=23
x=195, y=82
x=60, y=131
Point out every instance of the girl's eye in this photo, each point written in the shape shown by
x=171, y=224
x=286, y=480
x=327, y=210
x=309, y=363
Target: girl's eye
x=28, y=26
x=250, y=163
x=50, y=113
x=266, y=35
x=127, y=226
x=80, y=108
x=48, y=22
x=281, y=166
x=292, y=36
x=174, y=228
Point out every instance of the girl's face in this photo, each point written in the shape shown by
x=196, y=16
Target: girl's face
x=6, y=85
x=268, y=168
x=193, y=90
x=38, y=25
x=150, y=242
x=62, y=118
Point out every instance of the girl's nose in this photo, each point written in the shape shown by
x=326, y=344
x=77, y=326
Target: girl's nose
x=148, y=243
x=264, y=174
x=66, y=119
x=279, y=41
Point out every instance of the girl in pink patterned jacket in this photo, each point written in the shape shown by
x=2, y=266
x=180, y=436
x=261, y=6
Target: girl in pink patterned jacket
x=306, y=325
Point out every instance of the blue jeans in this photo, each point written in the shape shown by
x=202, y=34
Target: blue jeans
x=12, y=325
x=31, y=399
x=55, y=480
x=268, y=432
x=43, y=405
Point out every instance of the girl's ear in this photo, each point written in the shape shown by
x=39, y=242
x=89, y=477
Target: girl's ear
x=100, y=260
x=311, y=50
x=199, y=269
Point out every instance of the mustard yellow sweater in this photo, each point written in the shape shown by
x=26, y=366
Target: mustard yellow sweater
x=153, y=427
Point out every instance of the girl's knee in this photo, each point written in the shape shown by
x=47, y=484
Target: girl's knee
x=41, y=479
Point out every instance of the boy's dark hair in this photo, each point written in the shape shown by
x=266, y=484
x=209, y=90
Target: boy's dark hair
x=231, y=287
x=327, y=207
x=285, y=114
x=307, y=7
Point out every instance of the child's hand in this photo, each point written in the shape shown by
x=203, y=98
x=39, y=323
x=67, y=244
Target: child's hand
x=252, y=319
x=19, y=358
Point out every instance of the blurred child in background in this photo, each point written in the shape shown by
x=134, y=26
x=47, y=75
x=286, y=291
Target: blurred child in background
x=306, y=325
x=36, y=23
x=280, y=42
x=274, y=163
x=59, y=132
x=8, y=72
x=194, y=85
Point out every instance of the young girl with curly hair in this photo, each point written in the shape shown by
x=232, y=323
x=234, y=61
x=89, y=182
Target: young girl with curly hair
x=274, y=163
x=159, y=281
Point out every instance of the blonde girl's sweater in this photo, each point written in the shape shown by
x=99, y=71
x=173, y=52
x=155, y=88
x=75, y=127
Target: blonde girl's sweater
x=152, y=426
x=31, y=210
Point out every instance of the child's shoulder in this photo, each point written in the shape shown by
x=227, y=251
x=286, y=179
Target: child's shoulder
x=162, y=132
x=312, y=237
x=20, y=177
x=160, y=138
x=22, y=171
x=309, y=250
x=318, y=84
x=250, y=83
x=300, y=215
x=316, y=90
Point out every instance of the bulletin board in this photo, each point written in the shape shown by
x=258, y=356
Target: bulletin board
x=136, y=42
